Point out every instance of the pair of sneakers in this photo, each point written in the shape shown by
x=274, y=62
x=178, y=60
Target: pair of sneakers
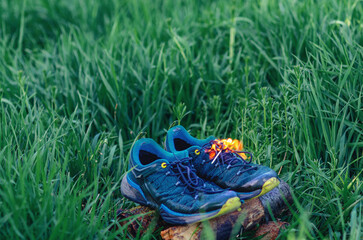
x=194, y=179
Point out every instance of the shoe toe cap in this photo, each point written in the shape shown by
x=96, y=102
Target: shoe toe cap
x=215, y=201
x=257, y=180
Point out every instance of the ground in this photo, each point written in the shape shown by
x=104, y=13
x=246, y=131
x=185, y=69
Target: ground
x=80, y=81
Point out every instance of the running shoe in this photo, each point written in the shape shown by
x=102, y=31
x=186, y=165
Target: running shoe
x=168, y=182
x=223, y=163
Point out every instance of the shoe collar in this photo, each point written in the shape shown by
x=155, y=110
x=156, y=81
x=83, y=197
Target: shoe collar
x=150, y=146
x=181, y=133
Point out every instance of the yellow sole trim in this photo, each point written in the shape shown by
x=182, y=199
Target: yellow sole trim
x=231, y=205
x=268, y=186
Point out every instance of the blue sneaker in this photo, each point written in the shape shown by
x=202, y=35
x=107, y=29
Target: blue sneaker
x=222, y=162
x=167, y=182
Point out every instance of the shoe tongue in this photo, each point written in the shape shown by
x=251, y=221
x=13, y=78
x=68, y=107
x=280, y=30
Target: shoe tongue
x=192, y=148
x=181, y=155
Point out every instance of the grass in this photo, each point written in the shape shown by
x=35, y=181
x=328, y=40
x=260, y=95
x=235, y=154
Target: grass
x=80, y=81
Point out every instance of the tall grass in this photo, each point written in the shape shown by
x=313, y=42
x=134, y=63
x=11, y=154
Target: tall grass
x=81, y=80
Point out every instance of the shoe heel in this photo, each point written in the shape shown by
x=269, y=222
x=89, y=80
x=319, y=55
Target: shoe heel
x=133, y=192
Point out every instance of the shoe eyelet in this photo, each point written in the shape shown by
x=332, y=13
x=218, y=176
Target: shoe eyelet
x=238, y=173
x=177, y=183
x=197, y=152
x=228, y=167
x=216, y=165
x=163, y=165
x=203, y=161
x=167, y=173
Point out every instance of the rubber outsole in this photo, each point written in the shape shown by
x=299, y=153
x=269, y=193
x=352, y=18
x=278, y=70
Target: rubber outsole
x=266, y=187
x=133, y=192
